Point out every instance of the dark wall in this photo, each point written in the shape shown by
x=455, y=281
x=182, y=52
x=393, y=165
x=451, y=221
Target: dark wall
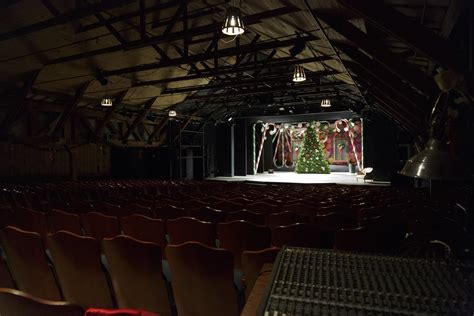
x=223, y=150
x=240, y=147
x=141, y=163
x=380, y=146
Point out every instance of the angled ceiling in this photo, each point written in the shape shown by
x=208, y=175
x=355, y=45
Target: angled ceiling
x=158, y=55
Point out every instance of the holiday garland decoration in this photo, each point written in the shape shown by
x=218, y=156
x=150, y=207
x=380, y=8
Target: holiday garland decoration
x=312, y=158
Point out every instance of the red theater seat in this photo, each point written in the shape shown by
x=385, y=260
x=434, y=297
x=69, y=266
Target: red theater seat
x=297, y=235
x=185, y=229
x=239, y=236
x=17, y=303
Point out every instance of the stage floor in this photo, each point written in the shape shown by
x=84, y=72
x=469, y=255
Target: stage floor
x=292, y=177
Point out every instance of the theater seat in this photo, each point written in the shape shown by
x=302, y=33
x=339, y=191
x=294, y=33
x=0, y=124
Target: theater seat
x=144, y=228
x=17, y=303
x=136, y=274
x=239, y=236
x=252, y=262
x=78, y=265
x=185, y=229
x=202, y=280
x=100, y=226
x=252, y=217
x=59, y=220
x=28, y=263
x=297, y=235
x=356, y=239
x=207, y=214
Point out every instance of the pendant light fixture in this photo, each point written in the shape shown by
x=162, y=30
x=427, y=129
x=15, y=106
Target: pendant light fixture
x=326, y=103
x=106, y=102
x=298, y=74
x=233, y=24
x=172, y=113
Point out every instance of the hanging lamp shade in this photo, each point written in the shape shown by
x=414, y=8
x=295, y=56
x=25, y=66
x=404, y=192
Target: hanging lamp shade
x=106, y=102
x=298, y=74
x=326, y=103
x=435, y=162
x=233, y=24
x=172, y=113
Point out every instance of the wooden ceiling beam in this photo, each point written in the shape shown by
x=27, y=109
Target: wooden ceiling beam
x=252, y=82
x=196, y=31
x=19, y=106
x=68, y=111
x=224, y=70
x=285, y=88
x=108, y=115
x=398, y=25
x=384, y=57
x=392, y=82
x=64, y=18
x=140, y=117
x=232, y=51
x=129, y=15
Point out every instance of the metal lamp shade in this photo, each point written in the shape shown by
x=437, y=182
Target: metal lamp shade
x=106, y=102
x=326, y=103
x=435, y=162
x=233, y=24
x=299, y=75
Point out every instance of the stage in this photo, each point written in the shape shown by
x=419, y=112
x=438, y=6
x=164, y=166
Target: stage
x=344, y=178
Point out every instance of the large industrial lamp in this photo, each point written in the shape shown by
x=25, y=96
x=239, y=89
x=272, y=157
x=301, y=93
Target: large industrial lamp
x=435, y=162
x=233, y=24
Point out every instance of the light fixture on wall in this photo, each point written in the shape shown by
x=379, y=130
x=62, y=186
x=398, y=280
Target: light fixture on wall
x=233, y=24
x=298, y=74
x=172, y=113
x=106, y=102
x=326, y=103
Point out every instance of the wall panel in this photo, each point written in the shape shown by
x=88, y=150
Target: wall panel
x=18, y=160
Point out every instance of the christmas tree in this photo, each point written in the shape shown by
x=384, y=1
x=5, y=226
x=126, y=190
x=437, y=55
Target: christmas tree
x=311, y=158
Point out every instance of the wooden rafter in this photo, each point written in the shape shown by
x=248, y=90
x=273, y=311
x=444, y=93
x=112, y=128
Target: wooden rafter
x=140, y=117
x=416, y=36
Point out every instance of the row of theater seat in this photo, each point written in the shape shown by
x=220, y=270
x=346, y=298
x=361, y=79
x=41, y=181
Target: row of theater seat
x=240, y=231
x=69, y=267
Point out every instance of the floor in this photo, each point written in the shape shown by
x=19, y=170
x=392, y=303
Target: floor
x=292, y=177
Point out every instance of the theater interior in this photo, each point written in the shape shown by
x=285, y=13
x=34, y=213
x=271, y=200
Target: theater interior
x=236, y=157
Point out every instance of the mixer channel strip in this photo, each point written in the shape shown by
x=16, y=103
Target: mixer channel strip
x=327, y=282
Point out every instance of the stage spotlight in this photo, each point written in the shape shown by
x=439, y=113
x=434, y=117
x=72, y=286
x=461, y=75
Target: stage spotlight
x=299, y=46
x=229, y=119
x=282, y=109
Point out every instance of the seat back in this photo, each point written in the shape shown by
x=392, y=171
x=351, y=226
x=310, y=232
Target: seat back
x=284, y=219
x=238, y=236
x=170, y=212
x=202, y=280
x=59, y=220
x=297, y=235
x=100, y=226
x=185, y=229
x=144, y=228
x=78, y=265
x=136, y=274
x=17, y=303
x=207, y=214
x=28, y=263
x=356, y=239
x=5, y=275
x=252, y=217
x=252, y=262
x=31, y=220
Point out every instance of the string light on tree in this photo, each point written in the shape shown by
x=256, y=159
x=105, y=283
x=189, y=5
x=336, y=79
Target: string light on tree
x=311, y=158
